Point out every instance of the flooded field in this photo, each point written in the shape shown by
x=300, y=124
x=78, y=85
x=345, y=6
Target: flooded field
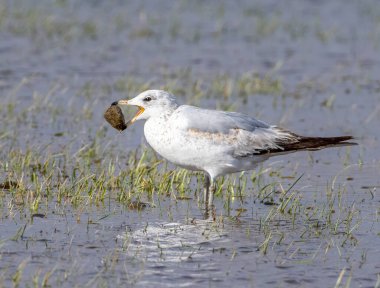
x=82, y=205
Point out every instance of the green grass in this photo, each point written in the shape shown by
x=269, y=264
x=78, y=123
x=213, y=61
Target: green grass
x=53, y=22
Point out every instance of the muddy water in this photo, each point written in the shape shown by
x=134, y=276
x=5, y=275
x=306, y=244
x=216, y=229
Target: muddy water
x=61, y=77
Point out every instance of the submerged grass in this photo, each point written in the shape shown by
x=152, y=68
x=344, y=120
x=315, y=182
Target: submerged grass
x=54, y=22
x=223, y=87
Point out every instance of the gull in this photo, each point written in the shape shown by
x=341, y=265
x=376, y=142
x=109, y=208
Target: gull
x=215, y=142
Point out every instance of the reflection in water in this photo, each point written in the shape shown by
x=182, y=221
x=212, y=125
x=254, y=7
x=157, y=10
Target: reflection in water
x=173, y=242
x=174, y=250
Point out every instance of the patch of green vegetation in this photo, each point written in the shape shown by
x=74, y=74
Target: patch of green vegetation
x=184, y=83
x=42, y=25
x=266, y=26
x=142, y=32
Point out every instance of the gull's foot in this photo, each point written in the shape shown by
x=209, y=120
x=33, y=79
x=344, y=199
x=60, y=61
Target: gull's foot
x=209, y=212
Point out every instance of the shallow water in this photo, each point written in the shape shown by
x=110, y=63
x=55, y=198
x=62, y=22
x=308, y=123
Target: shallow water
x=62, y=63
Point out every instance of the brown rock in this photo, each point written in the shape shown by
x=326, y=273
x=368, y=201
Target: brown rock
x=115, y=117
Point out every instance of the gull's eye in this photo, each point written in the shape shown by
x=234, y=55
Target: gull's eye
x=147, y=99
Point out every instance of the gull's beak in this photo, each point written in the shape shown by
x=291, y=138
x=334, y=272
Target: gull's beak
x=121, y=102
x=125, y=102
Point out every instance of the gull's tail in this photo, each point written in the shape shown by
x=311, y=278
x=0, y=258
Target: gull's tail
x=289, y=142
x=316, y=143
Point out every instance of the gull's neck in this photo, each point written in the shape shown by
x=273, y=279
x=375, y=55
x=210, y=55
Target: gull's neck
x=164, y=114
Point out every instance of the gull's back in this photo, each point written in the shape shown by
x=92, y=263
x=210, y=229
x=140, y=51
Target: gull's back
x=214, y=121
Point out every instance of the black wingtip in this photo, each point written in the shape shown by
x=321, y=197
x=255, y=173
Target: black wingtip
x=114, y=103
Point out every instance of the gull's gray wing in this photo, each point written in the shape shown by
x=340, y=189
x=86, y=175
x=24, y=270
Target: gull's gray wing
x=244, y=135
x=215, y=121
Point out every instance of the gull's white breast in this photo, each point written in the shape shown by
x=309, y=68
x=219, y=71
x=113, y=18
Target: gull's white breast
x=179, y=147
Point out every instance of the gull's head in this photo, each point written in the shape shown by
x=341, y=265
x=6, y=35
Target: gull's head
x=151, y=103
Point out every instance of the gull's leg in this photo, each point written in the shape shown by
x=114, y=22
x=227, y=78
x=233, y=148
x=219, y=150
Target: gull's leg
x=211, y=194
x=206, y=195
x=206, y=189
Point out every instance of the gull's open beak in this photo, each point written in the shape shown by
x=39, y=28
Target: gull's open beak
x=125, y=102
